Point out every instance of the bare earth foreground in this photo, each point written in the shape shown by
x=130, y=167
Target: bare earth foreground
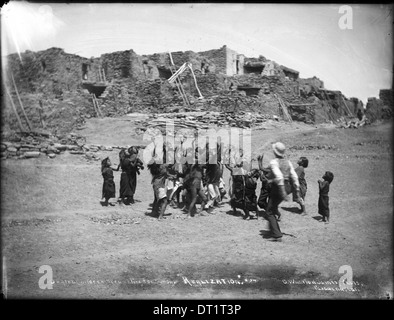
x=51, y=215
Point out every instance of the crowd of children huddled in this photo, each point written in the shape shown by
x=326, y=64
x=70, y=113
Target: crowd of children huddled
x=185, y=185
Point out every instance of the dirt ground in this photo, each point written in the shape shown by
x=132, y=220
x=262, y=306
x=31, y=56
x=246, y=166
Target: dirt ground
x=51, y=215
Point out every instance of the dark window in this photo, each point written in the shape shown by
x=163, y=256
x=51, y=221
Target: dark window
x=249, y=69
x=84, y=71
x=164, y=73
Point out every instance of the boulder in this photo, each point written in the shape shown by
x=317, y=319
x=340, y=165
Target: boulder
x=8, y=144
x=60, y=147
x=72, y=147
x=51, y=155
x=32, y=154
x=52, y=149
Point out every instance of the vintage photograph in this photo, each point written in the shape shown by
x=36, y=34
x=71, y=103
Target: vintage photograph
x=196, y=151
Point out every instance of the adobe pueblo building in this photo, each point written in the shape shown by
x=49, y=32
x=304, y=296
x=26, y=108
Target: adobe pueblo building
x=60, y=90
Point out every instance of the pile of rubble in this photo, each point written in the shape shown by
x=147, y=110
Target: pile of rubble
x=33, y=145
x=352, y=123
x=313, y=147
x=202, y=120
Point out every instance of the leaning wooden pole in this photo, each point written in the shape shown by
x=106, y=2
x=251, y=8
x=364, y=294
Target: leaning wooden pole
x=195, y=81
x=178, y=83
x=14, y=108
x=21, y=104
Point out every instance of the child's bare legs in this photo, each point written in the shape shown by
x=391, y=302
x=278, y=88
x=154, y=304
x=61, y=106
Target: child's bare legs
x=108, y=203
x=204, y=201
x=327, y=220
x=154, y=206
x=162, y=207
x=301, y=202
x=193, y=195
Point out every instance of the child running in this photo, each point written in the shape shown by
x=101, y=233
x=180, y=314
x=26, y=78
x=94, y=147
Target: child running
x=324, y=188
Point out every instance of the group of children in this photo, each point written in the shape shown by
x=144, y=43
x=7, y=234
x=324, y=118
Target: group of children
x=185, y=185
x=130, y=164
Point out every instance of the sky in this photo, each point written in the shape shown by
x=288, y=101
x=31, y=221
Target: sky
x=349, y=48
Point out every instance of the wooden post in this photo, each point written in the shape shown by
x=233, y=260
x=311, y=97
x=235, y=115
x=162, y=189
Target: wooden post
x=195, y=81
x=14, y=108
x=105, y=80
x=40, y=114
x=21, y=104
x=94, y=105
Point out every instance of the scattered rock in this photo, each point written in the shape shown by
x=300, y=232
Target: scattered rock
x=32, y=154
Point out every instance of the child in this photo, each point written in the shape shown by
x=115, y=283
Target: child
x=222, y=189
x=250, y=198
x=193, y=183
x=324, y=188
x=244, y=189
x=125, y=192
x=109, y=184
x=300, y=198
x=159, y=176
x=135, y=164
x=237, y=185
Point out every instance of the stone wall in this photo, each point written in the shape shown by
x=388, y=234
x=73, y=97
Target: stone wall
x=50, y=71
x=139, y=84
x=376, y=109
x=122, y=64
x=218, y=57
x=386, y=95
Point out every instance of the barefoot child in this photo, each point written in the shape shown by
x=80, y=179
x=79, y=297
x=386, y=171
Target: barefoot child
x=250, y=198
x=324, y=188
x=159, y=176
x=109, y=184
x=135, y=164
x=194, y=185
x=300, y=198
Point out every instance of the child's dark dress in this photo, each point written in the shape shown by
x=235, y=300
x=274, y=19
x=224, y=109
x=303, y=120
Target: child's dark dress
x=159, y=181
x=244, y=193
x=128, y=177
x=193, y=182
x=237, y=197
x=264, y=192
x=301, y=179
x=324, y=209
x=250, y=194
x=109, y=184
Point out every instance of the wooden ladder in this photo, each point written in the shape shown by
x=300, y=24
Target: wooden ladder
x=96, y=106
x=284, y=108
